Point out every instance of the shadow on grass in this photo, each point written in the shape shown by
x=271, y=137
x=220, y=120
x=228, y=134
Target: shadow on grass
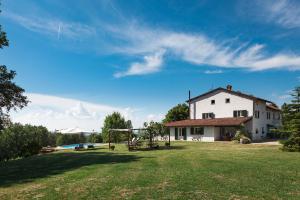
x=159, y=148
x=28, y=169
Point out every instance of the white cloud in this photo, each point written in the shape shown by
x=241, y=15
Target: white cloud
x=285, y=96
x=154, y=117
x=218, y=71
x=58, y=113
x=283, y=12
x=151, y=64
x=201, y=50
x=156, y=45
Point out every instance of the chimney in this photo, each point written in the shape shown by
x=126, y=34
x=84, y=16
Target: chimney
x=189, y=104
x=229, y=87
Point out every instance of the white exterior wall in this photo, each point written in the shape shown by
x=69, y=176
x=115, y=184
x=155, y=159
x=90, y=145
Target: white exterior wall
x=220, y=108
x=259, y=123
x=211, y=134
x=172, y=133
x=274, y=121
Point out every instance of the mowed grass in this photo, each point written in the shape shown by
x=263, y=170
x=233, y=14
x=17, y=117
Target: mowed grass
x=189, y=170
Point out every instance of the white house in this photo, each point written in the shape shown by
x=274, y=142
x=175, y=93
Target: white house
x=217, y=115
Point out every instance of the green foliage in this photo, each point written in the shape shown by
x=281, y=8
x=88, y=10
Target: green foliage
x=154, y=129
x=241, y=135
x=278, y=134
x=179, y=112
x=95, y=138
x=3, y=38
x=11, y=95
x=291, y=122
x=22, y=141
x=65, y=139
x=115, y=121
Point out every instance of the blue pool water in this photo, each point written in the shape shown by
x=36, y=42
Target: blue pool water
x=72, y=146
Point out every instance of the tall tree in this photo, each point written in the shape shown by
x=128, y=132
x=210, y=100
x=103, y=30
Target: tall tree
x=11, y=95
x=3, y=38
x=179, y=112
x=291, y=121
x=115, y=121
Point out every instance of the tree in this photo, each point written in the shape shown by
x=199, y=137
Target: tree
x=291, y=122
x=115, y=121
x=179, y=112
x=11, y=95
x=3, y=39
x=95, y=138
x=22, y=141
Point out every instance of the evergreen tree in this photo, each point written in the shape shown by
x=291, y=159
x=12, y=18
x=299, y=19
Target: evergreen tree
x=291, y=122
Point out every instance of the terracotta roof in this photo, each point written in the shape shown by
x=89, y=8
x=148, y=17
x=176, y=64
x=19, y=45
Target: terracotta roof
x=248, y=96
x=230, y=121
x=273, y=107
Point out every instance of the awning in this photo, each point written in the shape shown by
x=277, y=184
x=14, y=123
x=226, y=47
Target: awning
x=230, y=121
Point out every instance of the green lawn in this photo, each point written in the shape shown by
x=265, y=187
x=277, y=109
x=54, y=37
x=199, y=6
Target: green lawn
x=187, y=171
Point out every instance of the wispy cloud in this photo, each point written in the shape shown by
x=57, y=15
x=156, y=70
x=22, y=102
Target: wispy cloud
x=151, y=64
x=155, y=45
x=52, y=27
x=283, y=12
x=202, y=50
x=218, y=71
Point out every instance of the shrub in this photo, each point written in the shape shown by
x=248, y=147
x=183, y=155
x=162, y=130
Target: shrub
x=95, y=138
x=292, y=144
x=22, y=141
x=64, y=139
x=241, y=137
x=245, y=140
x=278, y=134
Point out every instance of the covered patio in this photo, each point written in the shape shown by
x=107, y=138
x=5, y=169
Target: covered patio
x=207, y=130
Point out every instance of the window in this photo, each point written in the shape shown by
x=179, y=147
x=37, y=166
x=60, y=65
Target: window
x=268, y=115
x=256, y=114
x=262, y=130
x=273, y=115
x=240, y=113
x=208, y=115
x=212, y=102
x=197, y=131
x=227, y=100
x=256, y=131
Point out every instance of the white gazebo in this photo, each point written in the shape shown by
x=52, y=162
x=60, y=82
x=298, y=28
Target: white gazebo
x=73, y=131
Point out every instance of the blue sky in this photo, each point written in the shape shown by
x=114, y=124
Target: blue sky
x=80, y=60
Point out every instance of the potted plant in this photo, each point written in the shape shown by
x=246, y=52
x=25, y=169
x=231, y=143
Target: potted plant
x=112, y=147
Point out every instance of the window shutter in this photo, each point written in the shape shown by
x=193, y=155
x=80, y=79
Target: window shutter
x=235, y=113
x=176, y=133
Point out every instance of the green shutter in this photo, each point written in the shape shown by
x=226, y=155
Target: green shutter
x=184, y=133
x=176, y=133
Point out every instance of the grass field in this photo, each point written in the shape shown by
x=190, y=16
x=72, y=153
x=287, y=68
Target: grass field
x=187, y=171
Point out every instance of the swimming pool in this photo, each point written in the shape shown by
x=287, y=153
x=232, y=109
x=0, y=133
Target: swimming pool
x=72, y=146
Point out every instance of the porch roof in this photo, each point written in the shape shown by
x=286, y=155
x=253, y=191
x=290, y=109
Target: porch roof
x=229, y=121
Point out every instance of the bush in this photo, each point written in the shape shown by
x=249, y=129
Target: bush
x=292, y=144
x=95, y=138
x=241, y=137
x=22, y=141
x=245, y=140
x=65, y=139
x=278, y=134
